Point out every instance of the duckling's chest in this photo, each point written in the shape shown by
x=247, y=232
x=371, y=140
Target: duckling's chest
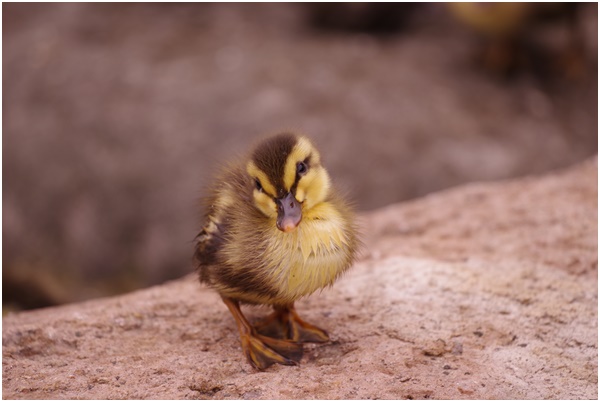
x=309, y=258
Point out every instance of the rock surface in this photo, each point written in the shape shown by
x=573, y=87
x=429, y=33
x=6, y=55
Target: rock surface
x=484, y=291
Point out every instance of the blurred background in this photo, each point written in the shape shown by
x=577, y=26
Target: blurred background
x=115, y=115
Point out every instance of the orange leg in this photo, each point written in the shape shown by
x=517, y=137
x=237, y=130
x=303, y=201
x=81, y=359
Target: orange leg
x=285, y=323
x=262, y=351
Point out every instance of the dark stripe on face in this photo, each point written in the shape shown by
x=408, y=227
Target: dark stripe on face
x=298, y=175
x=270, y=157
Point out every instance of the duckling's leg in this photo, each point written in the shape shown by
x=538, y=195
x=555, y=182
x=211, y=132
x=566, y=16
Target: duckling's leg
x=262, y=351
x=285, y=323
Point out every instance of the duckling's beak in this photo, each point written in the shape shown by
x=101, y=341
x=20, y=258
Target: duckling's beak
x=289, y=213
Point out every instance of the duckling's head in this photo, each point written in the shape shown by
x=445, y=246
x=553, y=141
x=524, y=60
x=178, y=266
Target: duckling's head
x=287, y=178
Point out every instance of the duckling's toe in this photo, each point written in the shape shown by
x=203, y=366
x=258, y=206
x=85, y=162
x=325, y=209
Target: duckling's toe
x=303, y=332
x=262, y=351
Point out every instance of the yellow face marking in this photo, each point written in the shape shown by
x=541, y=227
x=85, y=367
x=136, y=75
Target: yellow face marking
x=255, y=172
x=263, y=199
x=265, y=204
x=313, y=188
x=300, y=152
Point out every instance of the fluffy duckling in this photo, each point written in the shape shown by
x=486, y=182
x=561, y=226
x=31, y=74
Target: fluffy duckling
x=275, y=231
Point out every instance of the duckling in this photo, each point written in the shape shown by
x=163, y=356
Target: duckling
x=275, y=230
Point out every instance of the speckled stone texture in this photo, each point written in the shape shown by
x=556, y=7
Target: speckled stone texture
x=484, y=291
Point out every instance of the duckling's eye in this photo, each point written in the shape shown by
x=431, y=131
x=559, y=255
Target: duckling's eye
x=258, y=185
x=301, y=168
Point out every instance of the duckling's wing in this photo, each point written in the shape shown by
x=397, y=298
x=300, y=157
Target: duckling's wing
x=208, y=243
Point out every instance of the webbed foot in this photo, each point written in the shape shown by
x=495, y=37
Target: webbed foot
x=260, y=350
